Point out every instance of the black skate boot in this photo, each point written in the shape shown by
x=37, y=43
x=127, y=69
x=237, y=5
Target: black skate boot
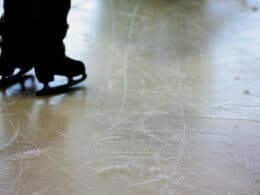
x=11, y=74
x=72, y=69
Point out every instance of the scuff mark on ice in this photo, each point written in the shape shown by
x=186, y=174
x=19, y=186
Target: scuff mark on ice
x=161, y=178
x=113, y=169
x=11, y=141
x=25, y=155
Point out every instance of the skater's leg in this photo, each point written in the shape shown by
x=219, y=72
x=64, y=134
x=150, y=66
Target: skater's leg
x=52, y=28
x=53, y=58
x=12, y=53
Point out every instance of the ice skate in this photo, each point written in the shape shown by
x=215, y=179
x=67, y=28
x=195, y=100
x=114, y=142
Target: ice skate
x=13, y=80
x=11, y=74
x=72, y=69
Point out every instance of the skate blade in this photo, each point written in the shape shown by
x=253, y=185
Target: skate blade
x=17, y=79
x=60, y=89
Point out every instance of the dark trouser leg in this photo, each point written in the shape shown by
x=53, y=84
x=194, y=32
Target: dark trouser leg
x=35, y=27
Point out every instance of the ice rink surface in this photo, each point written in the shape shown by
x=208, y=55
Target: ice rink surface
x=171, y=105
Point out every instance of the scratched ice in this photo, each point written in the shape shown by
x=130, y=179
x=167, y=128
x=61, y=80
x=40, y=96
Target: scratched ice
x=171, y=105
